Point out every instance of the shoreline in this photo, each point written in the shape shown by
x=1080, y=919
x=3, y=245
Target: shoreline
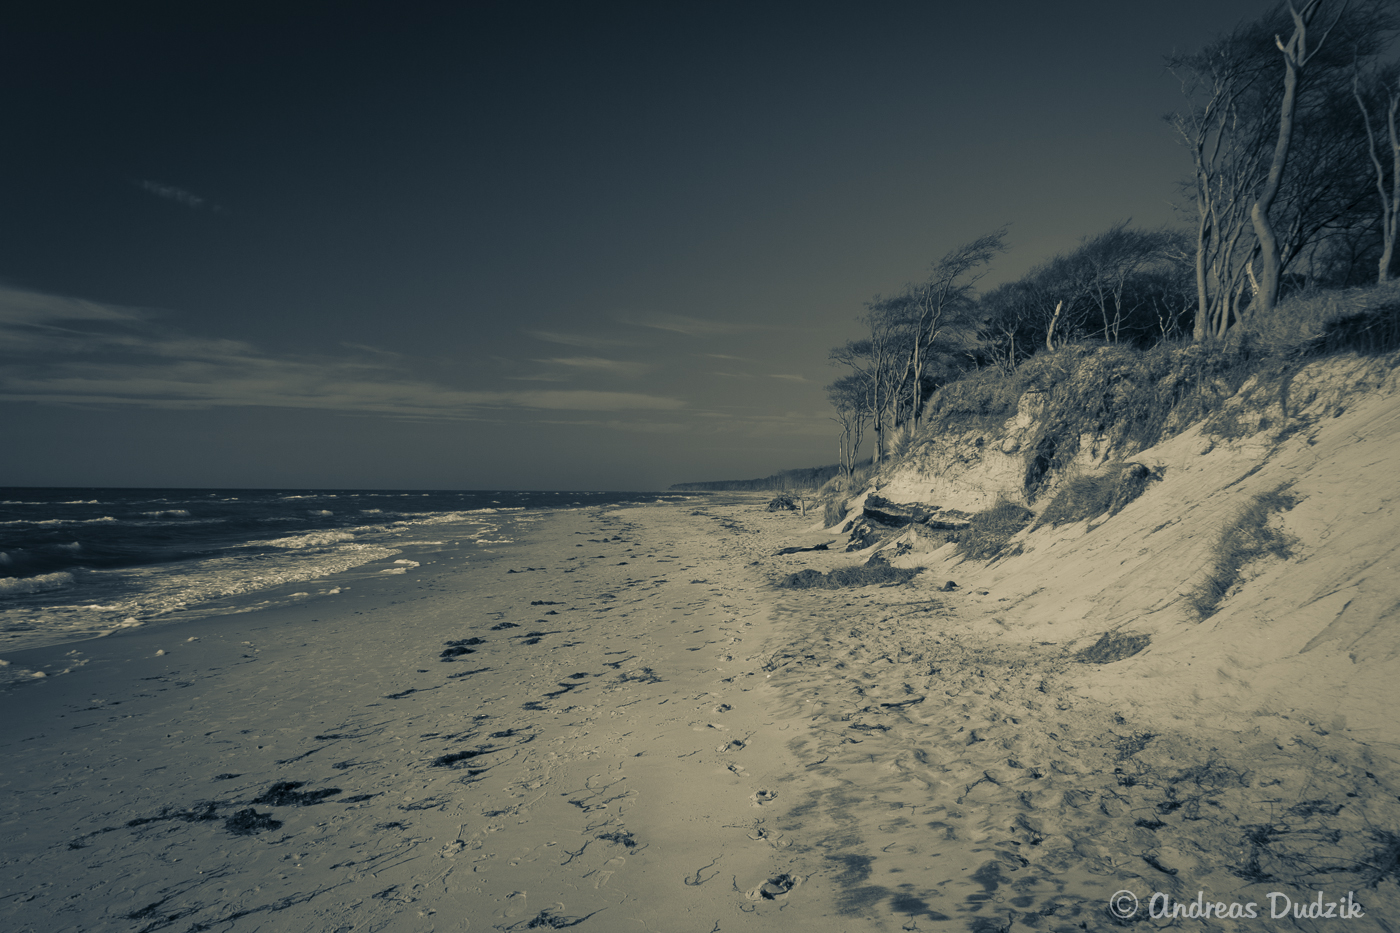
x=638, y=732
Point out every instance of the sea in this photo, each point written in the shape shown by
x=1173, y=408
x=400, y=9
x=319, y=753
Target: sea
x=83, y=563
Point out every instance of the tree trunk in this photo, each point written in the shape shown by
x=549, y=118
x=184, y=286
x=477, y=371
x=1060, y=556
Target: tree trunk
x=1295, y=56
x=1269, y=261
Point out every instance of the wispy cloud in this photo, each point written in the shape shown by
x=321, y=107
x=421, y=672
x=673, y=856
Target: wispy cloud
x=694, y=326
x=789, y=376
x=68, y=351
x=172, y=193
x=726, y=356
x=598, y=364
x=576, y=340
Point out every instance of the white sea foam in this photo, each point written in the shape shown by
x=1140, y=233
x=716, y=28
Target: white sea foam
x=313, y=539
x=15, y=586
x=168, y=513
x=61, y=521
x=319, y=513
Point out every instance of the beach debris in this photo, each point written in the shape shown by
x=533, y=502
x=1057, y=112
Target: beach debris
x=774, y=888
x=801, y=550
x=622, y=837
x=783, y=503
x=548, y=920
x=285, y=794
x=1113, y=646
x=201, y=812
x=452, y=759
x=250, y=822
x=948, y=587
x=875, y=571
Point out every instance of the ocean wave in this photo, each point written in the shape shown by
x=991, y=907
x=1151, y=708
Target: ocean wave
x=59, y=521
x=15, y=586
x=314, y=539
x=320, y=513
x=168, y=513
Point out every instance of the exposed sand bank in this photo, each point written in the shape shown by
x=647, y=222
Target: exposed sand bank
x=645, y=736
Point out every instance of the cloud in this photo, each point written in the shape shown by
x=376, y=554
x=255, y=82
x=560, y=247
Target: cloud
x=597, y=364
x=696, y=327
x=788, y=376
x=577, y=340
x=726, y=356
x=172, y=193
x=67, y=351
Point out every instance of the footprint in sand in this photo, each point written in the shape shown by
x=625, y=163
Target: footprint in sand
x=737, y=769
x=723, y=708
x=452, y=849
x=774, y=888
x=765, y=796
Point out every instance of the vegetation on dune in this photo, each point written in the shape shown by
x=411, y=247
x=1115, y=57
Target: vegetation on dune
x=875, y=571
x=989, y=531
x=1092, y=495
x=1246, y=538
x=1113, y=646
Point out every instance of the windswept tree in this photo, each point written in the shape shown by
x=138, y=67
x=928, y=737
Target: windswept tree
x=908, y=331
x=850, y=396
x=1382, y=93
x=1298, y=52
x=1274, y=165
x=940, y=311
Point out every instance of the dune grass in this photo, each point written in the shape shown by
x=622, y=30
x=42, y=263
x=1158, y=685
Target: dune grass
x=989, y=530
x=1246, y=538
x=1095, y=494
x=873, y=572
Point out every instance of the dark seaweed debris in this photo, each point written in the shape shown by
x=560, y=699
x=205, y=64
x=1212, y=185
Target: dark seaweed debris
x=250, y=822
x=285, y=794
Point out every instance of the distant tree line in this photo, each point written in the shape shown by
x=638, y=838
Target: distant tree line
x=1290, y=123
x=807, y=479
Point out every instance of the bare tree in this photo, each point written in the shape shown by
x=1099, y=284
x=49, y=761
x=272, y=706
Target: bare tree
x=1296, y=56
x=939, y=308
x=1387, y=82
x=877, y=360
x=1275, y=162
x=849, y=396
x=1224, y=129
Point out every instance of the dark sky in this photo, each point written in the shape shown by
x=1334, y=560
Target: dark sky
x=522, y=245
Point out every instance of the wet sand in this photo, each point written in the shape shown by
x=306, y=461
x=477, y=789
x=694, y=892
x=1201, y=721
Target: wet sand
x=620, y=724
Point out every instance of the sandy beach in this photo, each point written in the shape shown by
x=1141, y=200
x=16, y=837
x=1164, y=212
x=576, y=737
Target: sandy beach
x=618, y=723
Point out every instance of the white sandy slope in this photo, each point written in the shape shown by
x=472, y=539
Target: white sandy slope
x=1311, y=641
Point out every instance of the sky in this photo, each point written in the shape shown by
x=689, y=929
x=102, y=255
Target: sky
x=523, y=245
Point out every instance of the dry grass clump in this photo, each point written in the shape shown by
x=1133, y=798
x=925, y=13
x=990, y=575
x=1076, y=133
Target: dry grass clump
x=1093, y=495
x=872, y=572
x=1316, y=323
x=1246, y=538
x=1113, y=646
x=833, y=511
x=989, y=530
x=1127, y=399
